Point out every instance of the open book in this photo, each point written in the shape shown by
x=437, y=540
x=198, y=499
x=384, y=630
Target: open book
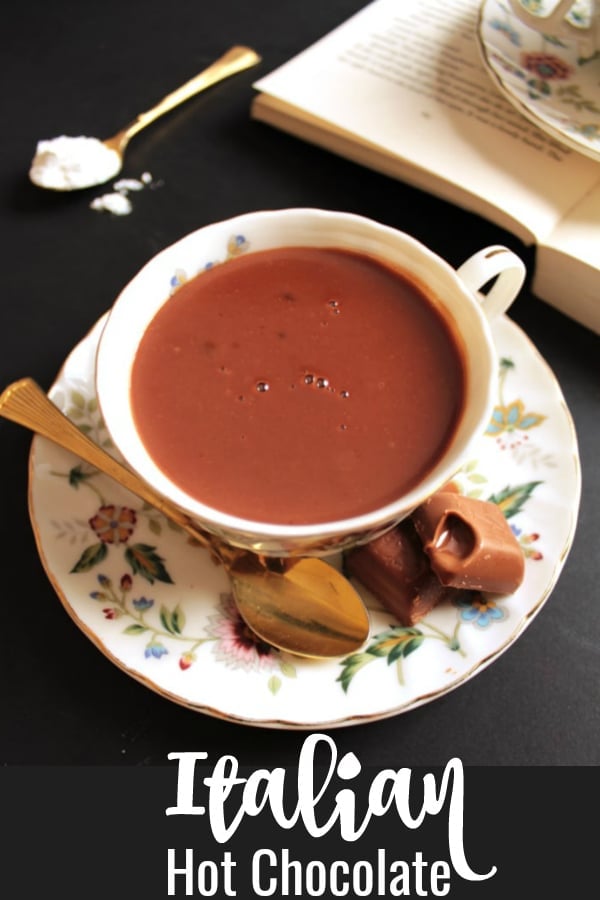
x=401, y=87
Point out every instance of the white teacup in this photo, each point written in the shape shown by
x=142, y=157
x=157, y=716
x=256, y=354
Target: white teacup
x=577, y=21
x=454, y=293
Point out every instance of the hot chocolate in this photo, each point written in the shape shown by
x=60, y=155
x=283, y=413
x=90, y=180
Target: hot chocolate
x=298, y=385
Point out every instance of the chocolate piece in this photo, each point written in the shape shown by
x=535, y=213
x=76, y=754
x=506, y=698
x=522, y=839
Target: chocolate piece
x=469, y=543
x=397, y=571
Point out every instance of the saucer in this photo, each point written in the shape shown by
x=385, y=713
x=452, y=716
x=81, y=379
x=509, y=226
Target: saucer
x=160, y=608
x=543, y=77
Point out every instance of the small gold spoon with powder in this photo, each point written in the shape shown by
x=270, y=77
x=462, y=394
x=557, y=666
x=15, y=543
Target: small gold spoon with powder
x=69, y=163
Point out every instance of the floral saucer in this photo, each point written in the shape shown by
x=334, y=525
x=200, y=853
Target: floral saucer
x=160, y=608
x=543, y=77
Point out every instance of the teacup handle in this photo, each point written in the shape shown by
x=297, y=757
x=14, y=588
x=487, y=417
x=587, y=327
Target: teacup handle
x=552, y=22
x=495, y=262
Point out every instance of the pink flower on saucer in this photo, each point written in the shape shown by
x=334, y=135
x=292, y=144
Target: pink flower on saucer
x=236, y=645
x=547, y=66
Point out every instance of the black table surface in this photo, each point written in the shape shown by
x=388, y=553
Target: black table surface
x=72, y=68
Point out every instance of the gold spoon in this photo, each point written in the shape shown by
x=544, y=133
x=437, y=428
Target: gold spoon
x=44, y=166
x=304, y=606
x=235, y=60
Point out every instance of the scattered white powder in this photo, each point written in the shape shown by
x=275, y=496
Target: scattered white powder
x=67, y=163
x=117, y=202
x=128, y=184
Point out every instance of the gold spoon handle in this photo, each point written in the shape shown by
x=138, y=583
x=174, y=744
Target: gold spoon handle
x=235, y=60
x=25, y=403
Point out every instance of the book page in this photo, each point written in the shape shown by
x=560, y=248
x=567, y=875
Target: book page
x=575, y=239
x=407, y=77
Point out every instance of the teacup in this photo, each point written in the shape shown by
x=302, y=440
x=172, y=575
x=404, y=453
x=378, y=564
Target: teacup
x=312, y=416
x=577, y=21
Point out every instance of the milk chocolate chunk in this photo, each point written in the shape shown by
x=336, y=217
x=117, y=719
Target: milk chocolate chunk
x=398, y=573
x=469, y=543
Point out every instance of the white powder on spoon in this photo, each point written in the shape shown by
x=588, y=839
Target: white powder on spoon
x=67, y=163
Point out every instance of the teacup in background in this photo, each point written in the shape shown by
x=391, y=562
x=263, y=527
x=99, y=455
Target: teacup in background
x=577, y=21
x=457, y=291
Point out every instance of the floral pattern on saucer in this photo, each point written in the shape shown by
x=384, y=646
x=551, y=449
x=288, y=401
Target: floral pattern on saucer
x=543, y=77
x=159, y=606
